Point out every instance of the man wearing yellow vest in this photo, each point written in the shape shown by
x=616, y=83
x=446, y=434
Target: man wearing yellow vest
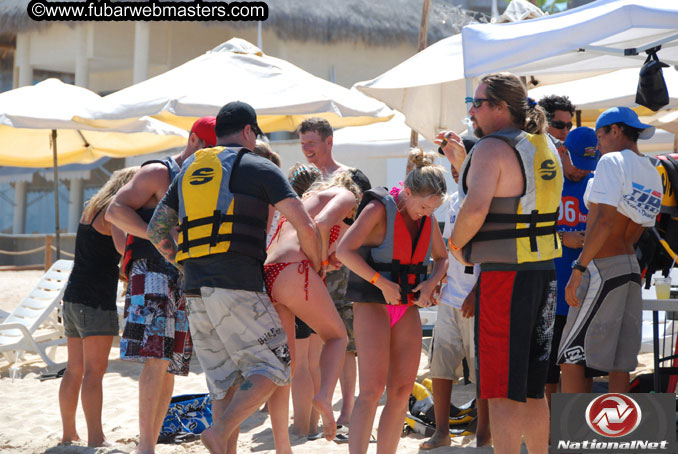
x=220, y=201
x=510, y=184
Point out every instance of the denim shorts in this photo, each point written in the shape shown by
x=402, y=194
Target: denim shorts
x=82, y=321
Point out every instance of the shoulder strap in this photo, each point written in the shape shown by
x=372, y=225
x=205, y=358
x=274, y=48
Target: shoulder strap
x=377, y=193
x=95, y=216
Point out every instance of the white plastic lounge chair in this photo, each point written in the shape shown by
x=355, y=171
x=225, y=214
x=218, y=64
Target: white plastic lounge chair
x=33, y=326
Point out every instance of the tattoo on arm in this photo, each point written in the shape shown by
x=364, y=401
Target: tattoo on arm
x=163, y=221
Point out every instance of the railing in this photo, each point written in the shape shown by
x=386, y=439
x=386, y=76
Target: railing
x=15, y=256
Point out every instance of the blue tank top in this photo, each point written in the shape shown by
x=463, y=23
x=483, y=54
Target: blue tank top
x=571, y=218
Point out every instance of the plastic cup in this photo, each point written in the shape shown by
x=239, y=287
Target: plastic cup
x=662, y=285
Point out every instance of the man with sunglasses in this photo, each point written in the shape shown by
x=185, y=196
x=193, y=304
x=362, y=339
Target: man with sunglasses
x=510, y=186
x=559, y=112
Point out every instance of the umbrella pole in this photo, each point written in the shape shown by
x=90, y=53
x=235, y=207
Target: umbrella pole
x=56, y=195
x=423, y=32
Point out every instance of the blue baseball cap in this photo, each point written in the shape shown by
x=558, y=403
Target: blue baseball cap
x=582, y=143
x=626, y=116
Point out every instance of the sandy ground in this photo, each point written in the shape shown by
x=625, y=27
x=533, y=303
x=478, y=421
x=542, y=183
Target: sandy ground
x=30, y=421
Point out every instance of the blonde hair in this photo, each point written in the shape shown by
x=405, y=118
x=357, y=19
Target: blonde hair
x=104, y=196
x=302, y=176
x=426, y=177
x=525, y=112
x=340, y=179
x=265, y=151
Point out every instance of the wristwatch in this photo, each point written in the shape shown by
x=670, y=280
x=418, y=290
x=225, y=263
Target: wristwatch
x=578, y=266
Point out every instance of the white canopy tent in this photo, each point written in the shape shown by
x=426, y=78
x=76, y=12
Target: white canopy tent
x=591, y=95
x=600, y=36
x=429, y=87
x=281, y=93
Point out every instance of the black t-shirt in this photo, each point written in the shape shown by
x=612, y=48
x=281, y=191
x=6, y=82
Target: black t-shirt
x=253, y=176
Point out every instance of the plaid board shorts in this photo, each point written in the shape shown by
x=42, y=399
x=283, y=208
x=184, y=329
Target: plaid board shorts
x=155, y=323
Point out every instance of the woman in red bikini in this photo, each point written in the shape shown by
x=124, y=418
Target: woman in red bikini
x=296, y=290
x=388, y=250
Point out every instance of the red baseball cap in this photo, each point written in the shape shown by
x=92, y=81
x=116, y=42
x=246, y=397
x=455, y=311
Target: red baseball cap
x=204, y=129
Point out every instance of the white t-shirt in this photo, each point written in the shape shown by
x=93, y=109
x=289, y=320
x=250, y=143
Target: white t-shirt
x=629, y=182
x=459, y=284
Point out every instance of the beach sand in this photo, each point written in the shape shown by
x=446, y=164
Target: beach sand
x=30, y=422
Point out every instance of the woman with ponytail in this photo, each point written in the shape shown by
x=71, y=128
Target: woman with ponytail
x=388, y=250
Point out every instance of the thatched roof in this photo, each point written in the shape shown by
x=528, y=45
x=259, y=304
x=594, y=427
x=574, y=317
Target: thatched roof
x=383, y=22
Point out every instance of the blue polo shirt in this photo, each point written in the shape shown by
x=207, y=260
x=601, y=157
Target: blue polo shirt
x=571, y=218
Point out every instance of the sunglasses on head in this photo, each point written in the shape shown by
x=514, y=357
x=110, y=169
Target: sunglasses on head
x=561, y=124
x=476, y=102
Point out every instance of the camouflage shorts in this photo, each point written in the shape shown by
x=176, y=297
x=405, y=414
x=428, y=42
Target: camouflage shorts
x=337, y=283
x=236, y=334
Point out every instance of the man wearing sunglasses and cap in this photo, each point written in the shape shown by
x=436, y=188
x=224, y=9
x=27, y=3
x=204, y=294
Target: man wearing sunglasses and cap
x=220, y=201
x=603, y=329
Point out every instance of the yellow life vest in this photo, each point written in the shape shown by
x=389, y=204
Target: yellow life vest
x=521, y=229
x=212, y=219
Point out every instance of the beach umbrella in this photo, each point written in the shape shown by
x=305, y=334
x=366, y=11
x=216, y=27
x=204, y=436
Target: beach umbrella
x=36, y=130
x=282, y=94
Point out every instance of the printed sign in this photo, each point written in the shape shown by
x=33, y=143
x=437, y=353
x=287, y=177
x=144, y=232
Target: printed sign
x=613, y=423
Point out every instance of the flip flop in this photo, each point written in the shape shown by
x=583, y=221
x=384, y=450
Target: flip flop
x=343, y=438
x=58, y=374
x=314, y=437
x=342, y=429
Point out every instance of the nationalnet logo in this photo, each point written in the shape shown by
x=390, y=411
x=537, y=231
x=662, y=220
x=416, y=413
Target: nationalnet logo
x=613, y=416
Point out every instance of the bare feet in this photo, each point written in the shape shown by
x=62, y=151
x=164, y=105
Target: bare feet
x=211, y=441
x=436, y=441
x=483, y=439
x=327, y=416
x=69, y=440
x=101, y=443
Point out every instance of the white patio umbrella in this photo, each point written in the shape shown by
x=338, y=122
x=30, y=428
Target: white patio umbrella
x=36, y=131
x=281, y=93
x=428, y=88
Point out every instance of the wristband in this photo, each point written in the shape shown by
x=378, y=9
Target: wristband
x=375, y=278
x=325, y=262
x=451, y=245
